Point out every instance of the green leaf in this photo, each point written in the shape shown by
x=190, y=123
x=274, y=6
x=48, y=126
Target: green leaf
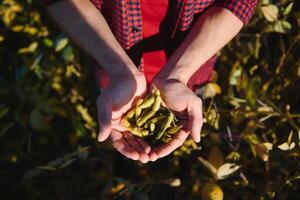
x=48, y=42
x=67, y=54
x=33, y=46
x=286, y=25
x=60, y=44
x=288, y=9
x=270, y=12
x=282, y=26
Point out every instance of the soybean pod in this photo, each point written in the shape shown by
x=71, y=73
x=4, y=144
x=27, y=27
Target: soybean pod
x=174, y=129
x=165, y=126
x=154, y=109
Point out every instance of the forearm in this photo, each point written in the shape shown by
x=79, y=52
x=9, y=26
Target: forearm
x=86, y=26
x=211, y=31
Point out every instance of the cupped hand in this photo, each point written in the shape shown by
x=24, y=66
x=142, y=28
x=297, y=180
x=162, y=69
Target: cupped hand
x=112, y=104
x=188, y=109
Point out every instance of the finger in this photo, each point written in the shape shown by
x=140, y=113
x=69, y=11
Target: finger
x=104, y=108
x=168, y=148
x=153, y=156
x=195, y=119
x=131, y=140
x=146, y=147
x=119, y=143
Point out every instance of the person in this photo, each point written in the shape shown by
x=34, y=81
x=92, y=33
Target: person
x=142, y=44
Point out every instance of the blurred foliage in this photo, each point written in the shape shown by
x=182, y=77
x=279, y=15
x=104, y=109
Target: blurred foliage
x=250, y=141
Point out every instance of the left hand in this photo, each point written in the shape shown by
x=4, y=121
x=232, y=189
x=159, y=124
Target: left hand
x=187, y=107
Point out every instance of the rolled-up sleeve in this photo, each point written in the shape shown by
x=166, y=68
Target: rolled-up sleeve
x=242, y=9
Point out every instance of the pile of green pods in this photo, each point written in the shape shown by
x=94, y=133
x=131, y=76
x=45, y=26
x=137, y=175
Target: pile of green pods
x=152, y=121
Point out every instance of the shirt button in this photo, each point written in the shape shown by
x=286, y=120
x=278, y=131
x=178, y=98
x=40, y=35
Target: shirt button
x=135, y=29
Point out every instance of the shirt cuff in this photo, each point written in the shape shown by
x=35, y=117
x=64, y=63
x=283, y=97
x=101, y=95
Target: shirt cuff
x=242, y=9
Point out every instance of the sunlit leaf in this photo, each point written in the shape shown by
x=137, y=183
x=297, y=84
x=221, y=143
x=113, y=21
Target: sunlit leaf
x=265, y=109
x=17, y=28
x=285, y=146
x=1, y=38
x=173, y=182
x=288, y=9
x=32, y=47
x=84, y=114
x=234, y=76
x=270, y=12
x=208, y=165
x=211, y=90
x=282, y=26
x=60, y=44
x=226, y=170
x=290, y=137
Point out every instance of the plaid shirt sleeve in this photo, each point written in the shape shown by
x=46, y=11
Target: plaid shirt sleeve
x=243, y=9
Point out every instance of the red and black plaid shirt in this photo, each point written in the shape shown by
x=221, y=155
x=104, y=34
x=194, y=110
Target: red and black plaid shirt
x=124, y=16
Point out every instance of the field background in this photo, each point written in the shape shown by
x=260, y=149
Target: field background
x=250, y=142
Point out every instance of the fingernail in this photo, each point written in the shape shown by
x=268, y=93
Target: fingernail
x=100, y=135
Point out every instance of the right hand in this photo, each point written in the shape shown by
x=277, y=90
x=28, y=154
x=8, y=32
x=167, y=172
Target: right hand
x=112, y=104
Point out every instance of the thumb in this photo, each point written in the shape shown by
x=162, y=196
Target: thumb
x=104, y=108
x=196, y=120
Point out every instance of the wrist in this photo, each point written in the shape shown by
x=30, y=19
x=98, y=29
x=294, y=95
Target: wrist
x=127, y=73
x=177, y=73
x=116, y=71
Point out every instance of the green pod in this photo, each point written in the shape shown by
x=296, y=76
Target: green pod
x=165, y=126
x=145, y=133
x=152, y=127
x=137, y=132
x=137, y=112
x=139, y=102
x=126, y=123
x=174, y=129
x=165, y=139
x=155, y=119
x=157, y=103
x=145, y=118
x=157, y=92
x=154, y=109
x=130, y=114
x=147, y=103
